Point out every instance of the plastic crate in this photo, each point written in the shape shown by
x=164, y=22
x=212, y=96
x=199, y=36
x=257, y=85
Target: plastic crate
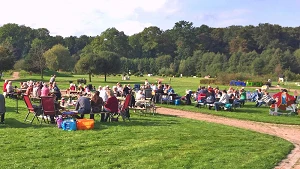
x=85, y=124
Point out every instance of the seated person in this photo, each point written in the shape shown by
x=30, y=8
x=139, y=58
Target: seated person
x=224, y=99
x=266, y=99
x=187, y=97
x=9, y=87
x=80, y=88
x=139, y=99
x=45, y=90
x=170, y=90
x=29, y=90
x=116, y=91
x=56, y=91
x=112, y=104
x=242, y=96
x=83, y=105
x=72, y=87
x=158, y=93
x=97, y=103
x=24, y=85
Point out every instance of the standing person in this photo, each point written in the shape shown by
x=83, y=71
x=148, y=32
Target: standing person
x=52, y=79
x=112, y=104
x=2, y=108
x=83, y=106
x=97, y=103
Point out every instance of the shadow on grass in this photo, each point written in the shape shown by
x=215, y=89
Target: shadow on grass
x=138, y=121
x=13, y=123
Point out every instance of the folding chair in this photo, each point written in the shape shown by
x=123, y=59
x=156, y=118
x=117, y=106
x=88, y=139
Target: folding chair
x=48, y=108
x=124, y=111
x=35, y=110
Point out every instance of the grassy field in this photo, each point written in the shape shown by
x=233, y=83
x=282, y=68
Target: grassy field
x=145, y=142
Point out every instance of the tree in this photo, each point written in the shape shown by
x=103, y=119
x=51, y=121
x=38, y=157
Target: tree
x=109, y=62
x=112, y=40
x=58, y=57
x=163, y=61
x=35, y=60
x=86, y=65
x=6, y=59
x=257, y=66
x=96, y=63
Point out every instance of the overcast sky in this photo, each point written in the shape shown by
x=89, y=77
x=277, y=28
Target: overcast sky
x=91, y=17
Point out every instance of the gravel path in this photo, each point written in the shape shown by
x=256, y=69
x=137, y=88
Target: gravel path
x=287, y=132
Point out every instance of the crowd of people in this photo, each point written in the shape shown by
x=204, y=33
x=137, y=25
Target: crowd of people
x=213, y=97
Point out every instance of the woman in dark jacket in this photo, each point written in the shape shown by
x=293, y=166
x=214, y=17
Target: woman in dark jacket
x=97, y=103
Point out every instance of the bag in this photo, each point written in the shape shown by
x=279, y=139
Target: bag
x=210, y=99
x=69, y=124
x=227, y=106
x=59, y=121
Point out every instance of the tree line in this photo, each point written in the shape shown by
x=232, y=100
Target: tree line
x=185, y=49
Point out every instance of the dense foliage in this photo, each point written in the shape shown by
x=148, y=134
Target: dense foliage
x=184, y=49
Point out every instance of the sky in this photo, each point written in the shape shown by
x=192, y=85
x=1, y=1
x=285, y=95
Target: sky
x=91, y=17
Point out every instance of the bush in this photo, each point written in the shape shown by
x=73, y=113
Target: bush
x=19, y=65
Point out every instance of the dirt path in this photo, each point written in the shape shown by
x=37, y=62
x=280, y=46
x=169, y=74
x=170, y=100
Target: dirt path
x=15, y=76
x=288, y=132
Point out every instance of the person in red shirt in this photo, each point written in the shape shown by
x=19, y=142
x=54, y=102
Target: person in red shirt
x=112, y=104
x=4, y=85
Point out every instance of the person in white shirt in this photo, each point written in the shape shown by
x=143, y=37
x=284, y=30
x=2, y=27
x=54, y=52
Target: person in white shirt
x=139, y=98
x=224, y=99
x=103, y=94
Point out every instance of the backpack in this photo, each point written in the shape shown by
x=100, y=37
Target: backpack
x=210, y=99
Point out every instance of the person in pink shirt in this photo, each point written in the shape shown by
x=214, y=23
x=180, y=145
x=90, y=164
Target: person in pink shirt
x=45, y=90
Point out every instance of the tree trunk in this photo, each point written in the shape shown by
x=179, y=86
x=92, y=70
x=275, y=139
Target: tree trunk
x=42, y=74
x=90, y=77
x=104, y=76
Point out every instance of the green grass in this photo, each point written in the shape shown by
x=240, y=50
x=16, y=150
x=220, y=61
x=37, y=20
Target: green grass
x=145, y=142
x=248, y=112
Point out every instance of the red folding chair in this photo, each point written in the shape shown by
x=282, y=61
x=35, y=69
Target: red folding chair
x=124, y=111
x=32, y=109
x=48, y=108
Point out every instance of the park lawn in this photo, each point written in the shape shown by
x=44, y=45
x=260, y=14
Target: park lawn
x=247, y=112
x=144, y=142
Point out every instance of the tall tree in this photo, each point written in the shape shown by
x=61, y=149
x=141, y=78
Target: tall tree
x=6, y=59
x=112, y=40
x=58, y=57
x=35, y=60
x=109, y=62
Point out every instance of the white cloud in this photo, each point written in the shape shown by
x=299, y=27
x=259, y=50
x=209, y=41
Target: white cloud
x=132, y=27
x=91, y=17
